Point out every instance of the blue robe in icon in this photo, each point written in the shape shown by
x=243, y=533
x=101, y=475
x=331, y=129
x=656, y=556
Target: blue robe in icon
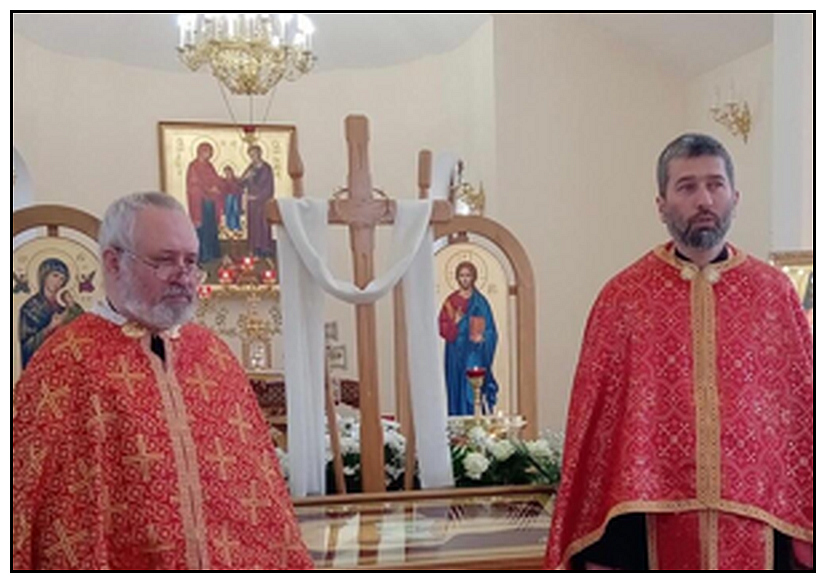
x=462, y=352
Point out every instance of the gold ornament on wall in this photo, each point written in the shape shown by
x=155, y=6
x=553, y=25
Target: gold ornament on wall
x=733, y=114
x=465, y=198
x=254, y=327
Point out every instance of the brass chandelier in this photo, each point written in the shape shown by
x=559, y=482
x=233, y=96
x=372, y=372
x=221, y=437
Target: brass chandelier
x=248, y=53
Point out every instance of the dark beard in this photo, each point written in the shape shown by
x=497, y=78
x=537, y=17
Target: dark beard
x=704, y=237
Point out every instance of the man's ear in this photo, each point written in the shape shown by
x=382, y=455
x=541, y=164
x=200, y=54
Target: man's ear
x=660, y=202
x=111, y=262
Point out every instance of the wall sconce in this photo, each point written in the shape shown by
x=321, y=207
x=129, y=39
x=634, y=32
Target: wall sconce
x=466, y=199
x=735, y=116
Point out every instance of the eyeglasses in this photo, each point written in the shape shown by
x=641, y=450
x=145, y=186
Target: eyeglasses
x=166, y=268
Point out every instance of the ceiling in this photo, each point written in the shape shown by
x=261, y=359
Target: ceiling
x=689, y=43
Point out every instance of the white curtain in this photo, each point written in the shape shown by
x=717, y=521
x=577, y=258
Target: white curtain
x=305, y=276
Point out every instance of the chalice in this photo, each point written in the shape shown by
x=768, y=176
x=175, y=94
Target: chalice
x=476, y=376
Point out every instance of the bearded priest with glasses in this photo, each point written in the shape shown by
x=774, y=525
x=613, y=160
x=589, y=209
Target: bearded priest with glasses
x=137, y=442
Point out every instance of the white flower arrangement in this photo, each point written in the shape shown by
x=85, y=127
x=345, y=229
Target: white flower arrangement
x=480, y=458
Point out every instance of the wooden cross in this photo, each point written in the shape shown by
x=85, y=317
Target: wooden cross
x=361, y=212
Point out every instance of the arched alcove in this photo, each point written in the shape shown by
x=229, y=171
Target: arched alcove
x=522, y=289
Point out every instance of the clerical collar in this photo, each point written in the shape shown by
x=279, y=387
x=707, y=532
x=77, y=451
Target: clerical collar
x=156, y=345
x=720, y=258
x=105, y=310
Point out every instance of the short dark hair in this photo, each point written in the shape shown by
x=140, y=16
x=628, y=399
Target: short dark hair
x=692, y=146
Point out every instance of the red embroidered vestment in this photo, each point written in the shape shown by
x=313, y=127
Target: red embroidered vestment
x=692, y=403
x=122, y=463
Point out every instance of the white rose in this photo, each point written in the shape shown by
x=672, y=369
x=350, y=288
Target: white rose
x=502, y=450
x=540, y=450
x=475, y=465
x=396, y=441
x=349, y=445
x=388, y=424
x=478, y=436
x=392, y=472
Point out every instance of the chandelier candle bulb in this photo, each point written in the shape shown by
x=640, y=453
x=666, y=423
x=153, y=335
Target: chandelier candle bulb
x=249, y=53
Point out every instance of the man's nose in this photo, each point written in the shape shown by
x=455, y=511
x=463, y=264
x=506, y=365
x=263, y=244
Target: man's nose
x=704, y=198
x=179, y=273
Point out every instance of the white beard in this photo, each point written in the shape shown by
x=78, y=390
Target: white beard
x=161, y=316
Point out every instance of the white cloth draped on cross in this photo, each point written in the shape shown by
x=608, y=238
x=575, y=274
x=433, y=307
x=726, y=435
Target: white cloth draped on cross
x=305, y=276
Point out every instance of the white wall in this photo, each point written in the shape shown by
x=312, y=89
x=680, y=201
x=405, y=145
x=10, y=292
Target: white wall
x=793, y=193
x=580, y=122
x=749, y=78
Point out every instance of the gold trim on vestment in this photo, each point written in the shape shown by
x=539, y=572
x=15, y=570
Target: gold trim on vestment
x=709, y=540
x=687, y=505
x=706, y=398
x=190, y=494
x=133, y=329
x=735, y=258
x=644, y=506
x=761, y=515
x=769, y=534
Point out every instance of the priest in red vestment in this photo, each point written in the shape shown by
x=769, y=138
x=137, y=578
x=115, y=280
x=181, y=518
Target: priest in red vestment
x=689, y=442
x=137, y=443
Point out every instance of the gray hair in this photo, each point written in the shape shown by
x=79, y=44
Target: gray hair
x=117, y=229
x=692, y=146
